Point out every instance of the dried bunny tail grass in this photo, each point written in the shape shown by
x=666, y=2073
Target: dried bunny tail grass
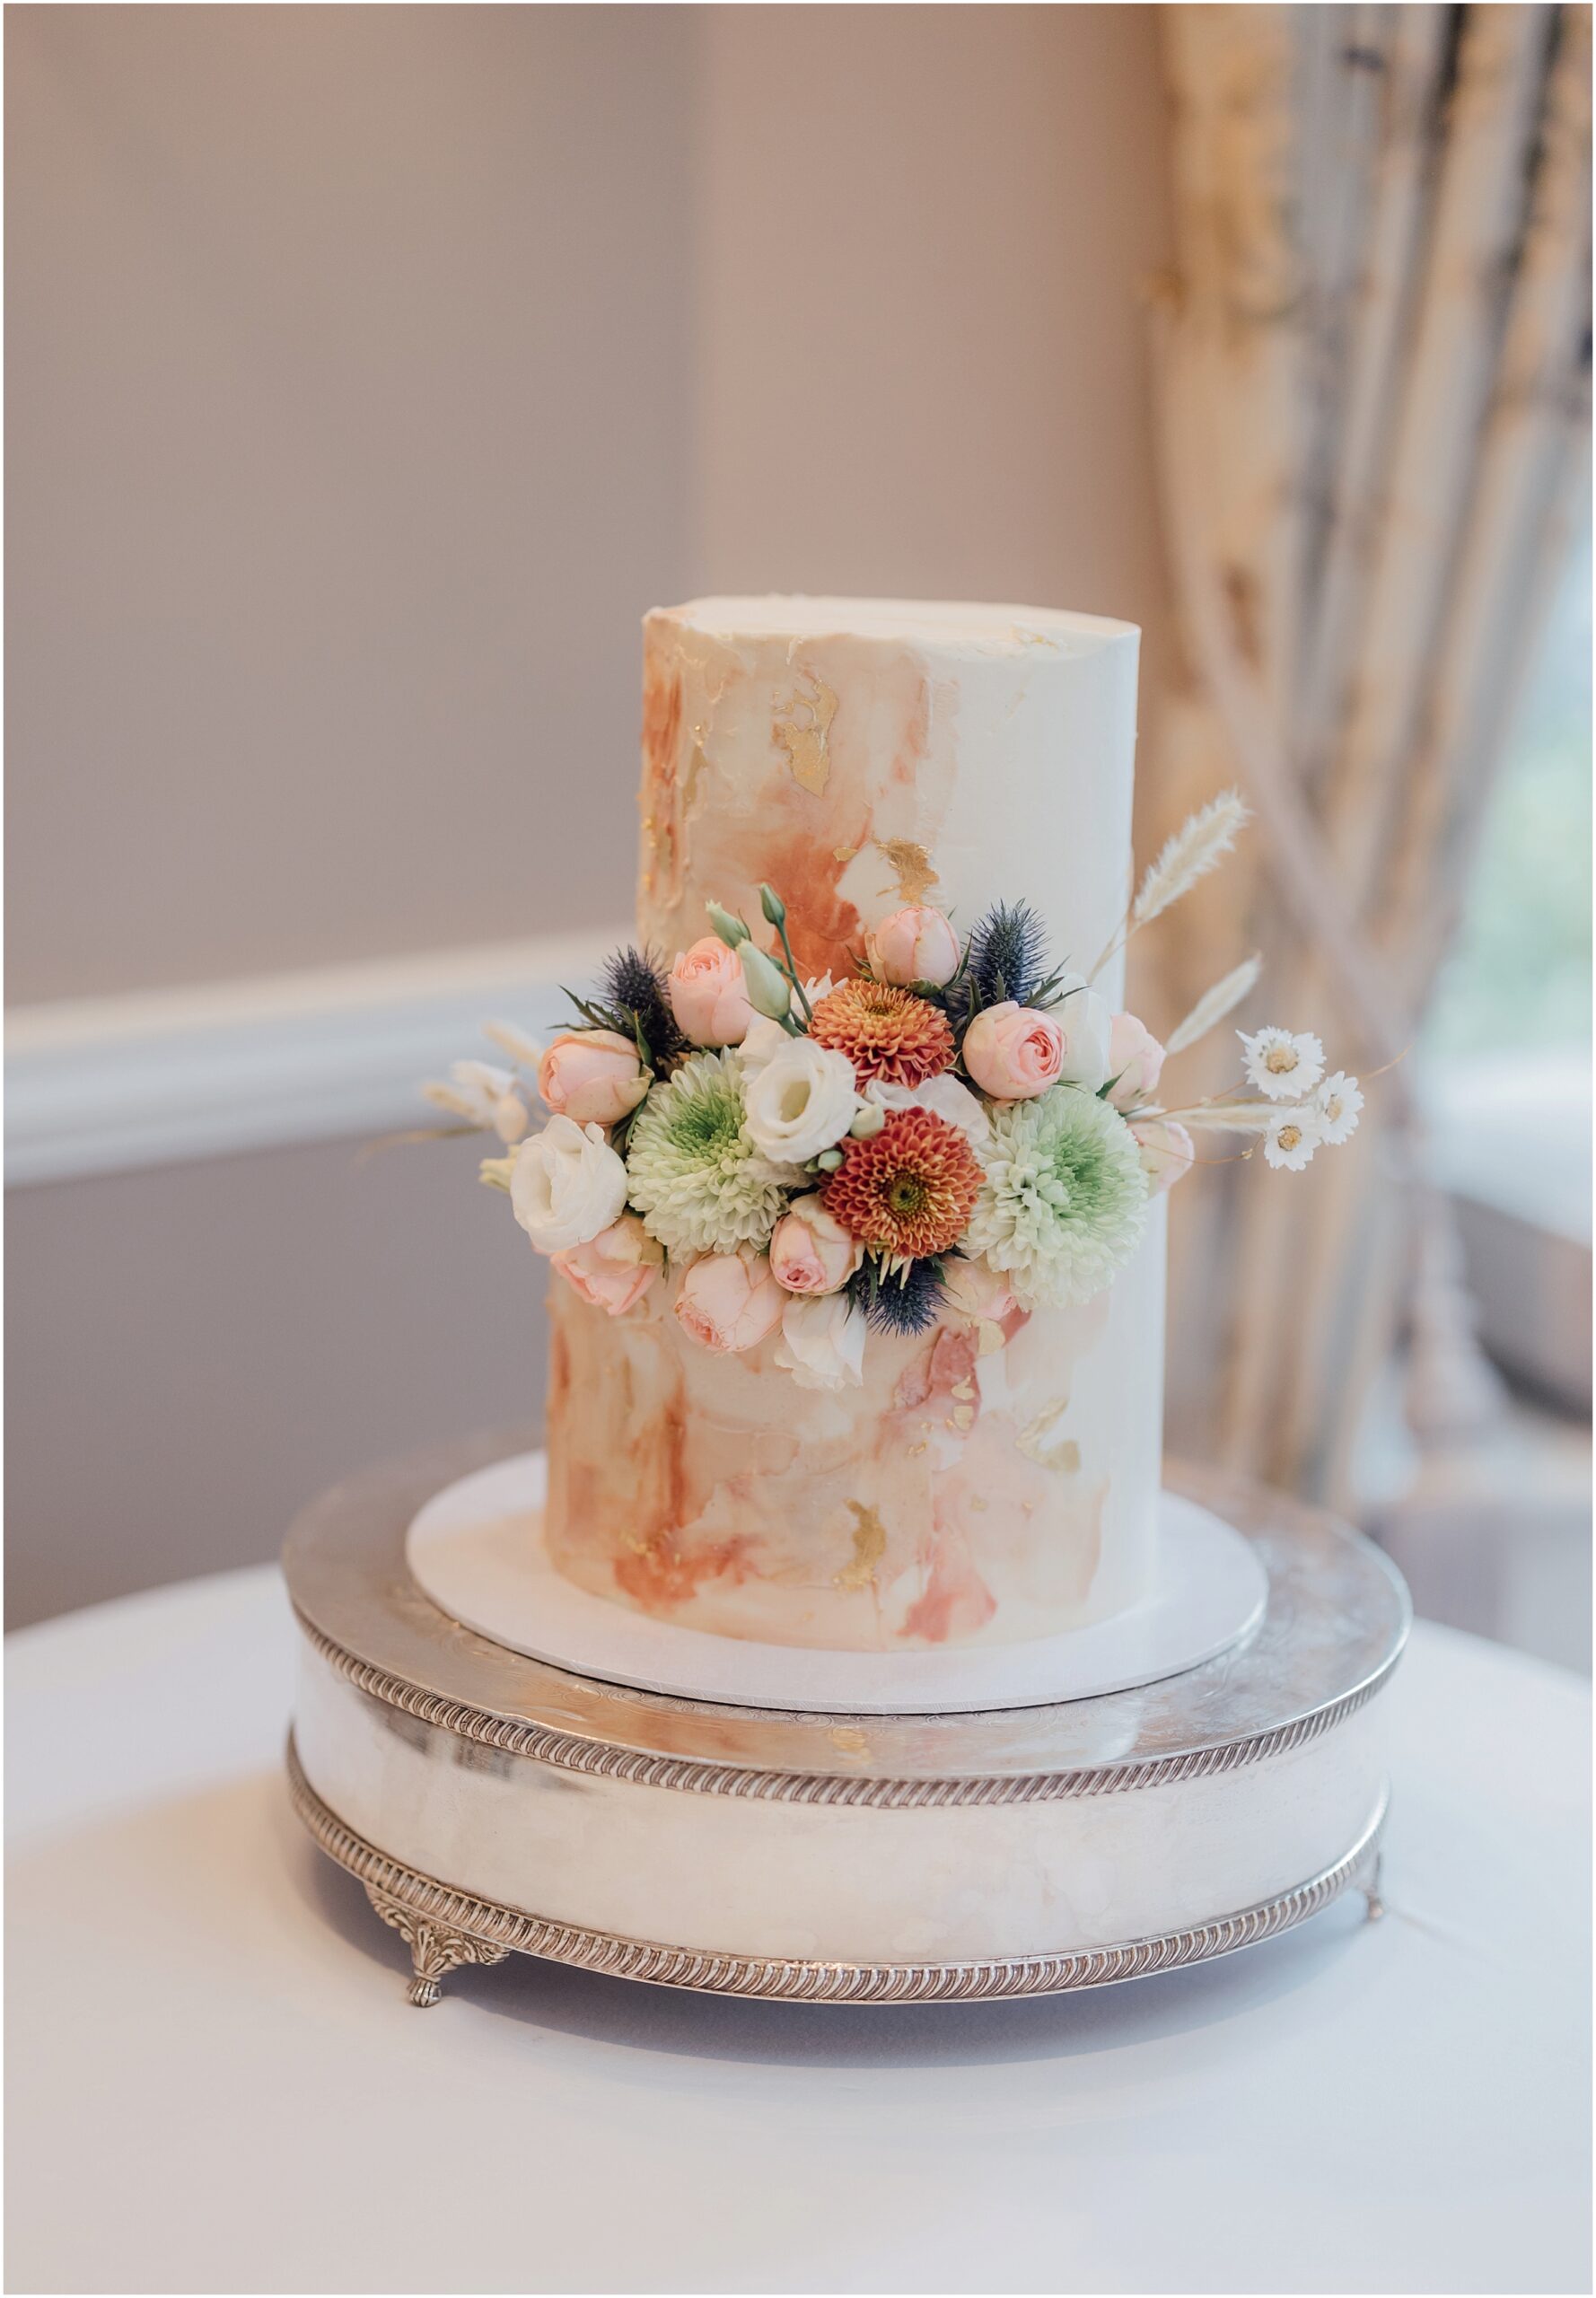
x=1229, y=1117
x=1197, y=847
x=1215, y=1003
x=1201, y=842
x=456, y=1104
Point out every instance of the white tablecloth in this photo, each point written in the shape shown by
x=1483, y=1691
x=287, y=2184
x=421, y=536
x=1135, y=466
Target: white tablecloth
x=216, y=2085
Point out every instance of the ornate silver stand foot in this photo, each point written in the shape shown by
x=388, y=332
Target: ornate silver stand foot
x=1374, y=1905
x=436, y=1951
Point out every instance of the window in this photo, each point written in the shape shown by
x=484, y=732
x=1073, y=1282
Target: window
x=1507, y=1049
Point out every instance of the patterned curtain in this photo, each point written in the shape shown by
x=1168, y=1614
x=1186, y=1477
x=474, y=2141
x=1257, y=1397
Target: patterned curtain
x=1373, y=362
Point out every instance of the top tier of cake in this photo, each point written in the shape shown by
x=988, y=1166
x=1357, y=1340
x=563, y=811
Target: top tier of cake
x=859, y=753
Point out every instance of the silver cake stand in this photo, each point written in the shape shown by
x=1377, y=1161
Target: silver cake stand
x=490, y=1804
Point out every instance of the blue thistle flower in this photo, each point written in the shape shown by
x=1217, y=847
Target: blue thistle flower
x=905, y=1300
x=1008, y=952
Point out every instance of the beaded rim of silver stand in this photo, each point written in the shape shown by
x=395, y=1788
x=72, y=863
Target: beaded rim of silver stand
x=444, y=1929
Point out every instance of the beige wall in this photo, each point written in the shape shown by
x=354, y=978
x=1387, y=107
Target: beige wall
x=349, y=382
x=372, y=369
x=193, y=1353
x=926, y=234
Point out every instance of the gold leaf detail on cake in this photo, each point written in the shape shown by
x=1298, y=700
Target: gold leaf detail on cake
x=1037, y=1443
x=870, y=1545
x=911, y=865
x=844, y=853
x=803, y=729
x=848, y=1739
x=697, y=763
x=989, y=1338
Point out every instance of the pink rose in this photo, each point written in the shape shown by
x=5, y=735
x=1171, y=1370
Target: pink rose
x=1134, y=1060
x=810, y=1250
x=915, y=945
x=976, y=1290
x=614, y=1270
x=1167, y=1151
x=709, y=994
x=593, y=1076
x=729, y=1301
x=1013, y=1052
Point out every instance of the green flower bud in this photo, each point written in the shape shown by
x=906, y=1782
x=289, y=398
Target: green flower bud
x=769, y=991
x=869, y=1122
x=829, y=1160
x=731, y=930
x=773, y=905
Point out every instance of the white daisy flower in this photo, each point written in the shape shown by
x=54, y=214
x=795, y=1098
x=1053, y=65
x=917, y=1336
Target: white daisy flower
x=1284, y=1064
x=1291, y=1139
x=1335, y=1105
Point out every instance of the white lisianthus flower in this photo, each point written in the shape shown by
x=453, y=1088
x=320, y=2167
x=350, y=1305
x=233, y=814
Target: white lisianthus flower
x=945, y=1097
x=568, y=1185
x=823, y=1342
x=1284, y=1064
x=1335, y=1105
x=1291, y=1139
x=801, y=1101
x=763, y=1042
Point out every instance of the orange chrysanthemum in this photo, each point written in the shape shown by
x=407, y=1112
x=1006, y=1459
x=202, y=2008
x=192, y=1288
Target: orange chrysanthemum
x=885, y=1032
x=910, y=1190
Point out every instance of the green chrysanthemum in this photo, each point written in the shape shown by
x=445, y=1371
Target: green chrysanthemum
x=1064, y=1199
x=695, y=1175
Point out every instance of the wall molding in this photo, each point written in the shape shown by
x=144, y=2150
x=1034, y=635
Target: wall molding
x=112, y=1084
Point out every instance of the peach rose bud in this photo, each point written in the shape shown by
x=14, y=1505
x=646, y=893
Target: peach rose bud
x=614, y=1270
x=810, y=1250
x=1134, y=1060
x=709, y=995
x=1013, y=1052
x=1167, y=1151
x=915, y=945
x=593, y=1076
x=729, y=1301
x=976, y=1290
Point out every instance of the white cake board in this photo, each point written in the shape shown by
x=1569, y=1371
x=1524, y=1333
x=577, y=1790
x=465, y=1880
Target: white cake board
x=477, y=1549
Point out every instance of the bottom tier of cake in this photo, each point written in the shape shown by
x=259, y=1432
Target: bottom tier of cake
x=988, y=1483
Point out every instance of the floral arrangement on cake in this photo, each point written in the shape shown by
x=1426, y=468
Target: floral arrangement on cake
x=959, y=1123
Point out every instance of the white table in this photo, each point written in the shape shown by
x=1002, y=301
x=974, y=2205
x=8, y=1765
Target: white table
x=216, y=2084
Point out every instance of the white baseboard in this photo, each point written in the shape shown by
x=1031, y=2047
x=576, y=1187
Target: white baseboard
x=107, y=1084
